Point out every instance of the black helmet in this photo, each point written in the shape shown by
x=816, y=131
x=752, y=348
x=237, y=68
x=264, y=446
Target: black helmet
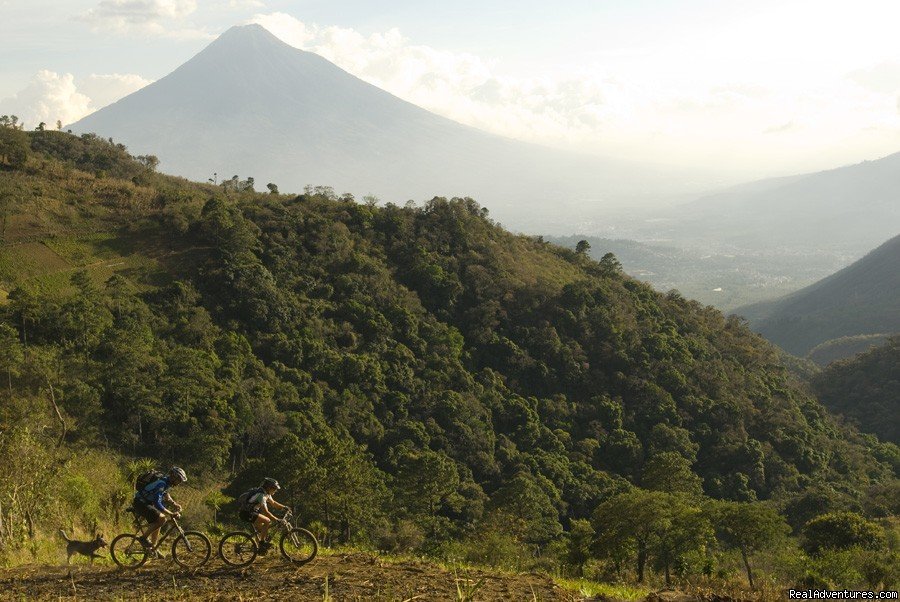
x=270, y=483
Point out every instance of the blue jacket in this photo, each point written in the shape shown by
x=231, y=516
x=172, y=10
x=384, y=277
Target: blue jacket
x=154, y=492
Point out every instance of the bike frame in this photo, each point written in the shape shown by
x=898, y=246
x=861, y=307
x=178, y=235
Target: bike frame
x=166, y=530
x=279, y=525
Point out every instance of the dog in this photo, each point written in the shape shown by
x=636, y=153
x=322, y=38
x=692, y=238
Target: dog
x=85, y=548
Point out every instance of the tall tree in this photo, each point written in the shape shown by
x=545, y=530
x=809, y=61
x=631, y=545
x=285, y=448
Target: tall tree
x=650, y=526
x=748, y=528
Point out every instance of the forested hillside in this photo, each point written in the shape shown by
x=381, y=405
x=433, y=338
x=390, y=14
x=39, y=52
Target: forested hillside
x=866, y=389
x=415, y=376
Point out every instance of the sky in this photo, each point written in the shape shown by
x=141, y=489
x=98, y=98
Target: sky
x=745, y=88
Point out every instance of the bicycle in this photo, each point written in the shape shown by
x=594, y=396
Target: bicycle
x=297, y=545
x=190, y=549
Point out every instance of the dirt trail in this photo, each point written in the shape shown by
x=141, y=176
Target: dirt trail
x=351, y=577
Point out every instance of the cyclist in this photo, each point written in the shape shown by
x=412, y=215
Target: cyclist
x=255, y=510
x=148, y=502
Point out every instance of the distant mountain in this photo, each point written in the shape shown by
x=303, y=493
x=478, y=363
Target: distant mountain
x=861, y=299
x=251, y=105
x=850, y=208
x=866, y=389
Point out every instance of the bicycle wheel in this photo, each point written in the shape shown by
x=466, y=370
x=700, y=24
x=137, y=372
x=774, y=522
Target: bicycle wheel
x=191, y=550
x=299, y=545
x=237, y=549
x=127, y=552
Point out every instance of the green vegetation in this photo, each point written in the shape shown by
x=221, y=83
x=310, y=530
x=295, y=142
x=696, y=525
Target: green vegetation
x=419, y=379
x=866, y=389
x=845, y=348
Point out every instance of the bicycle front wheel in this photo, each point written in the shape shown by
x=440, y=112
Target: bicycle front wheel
x=191, y=549
x=127, y=552
x=299, y=546
x=237, y=549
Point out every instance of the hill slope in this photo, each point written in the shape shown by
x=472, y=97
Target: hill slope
x=861, y=299
x=251, y=105
x=866, y=389
x=415, y=377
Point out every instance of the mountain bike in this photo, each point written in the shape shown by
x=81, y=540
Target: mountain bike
x=190, y=549
x=297, y=545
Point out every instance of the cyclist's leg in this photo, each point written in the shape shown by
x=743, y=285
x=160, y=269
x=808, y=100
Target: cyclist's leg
x=261, y=524
x=155, y=520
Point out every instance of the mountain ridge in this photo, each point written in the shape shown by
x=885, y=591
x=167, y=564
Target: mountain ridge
x=860, y=299
x=849, y=209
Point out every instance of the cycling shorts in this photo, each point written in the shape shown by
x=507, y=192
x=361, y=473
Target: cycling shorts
x=248, y=516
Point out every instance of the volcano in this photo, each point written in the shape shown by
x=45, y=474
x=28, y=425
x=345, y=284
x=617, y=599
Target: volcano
x=251, y=105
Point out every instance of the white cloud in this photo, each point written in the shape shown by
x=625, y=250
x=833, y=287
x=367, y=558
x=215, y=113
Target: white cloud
x=162, y=18
x=48, y=97
x=245, y=4
x=659, y=110
x=52, y=96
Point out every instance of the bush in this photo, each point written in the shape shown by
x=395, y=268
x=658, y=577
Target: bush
x=840, y=531
x=852, y=568
x=493, y=544
x=403, y=537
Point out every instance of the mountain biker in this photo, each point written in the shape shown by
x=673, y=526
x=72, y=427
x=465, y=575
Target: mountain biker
x=148, y=502
x=255, y=510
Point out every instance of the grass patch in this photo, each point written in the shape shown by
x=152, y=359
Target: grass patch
x=588, y=588
x=47, y=266
x=82, y=251
x=28, y=260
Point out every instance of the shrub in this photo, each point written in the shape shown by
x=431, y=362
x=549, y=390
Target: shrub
x=841, y=531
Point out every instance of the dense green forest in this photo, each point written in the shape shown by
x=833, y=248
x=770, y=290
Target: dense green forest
x=866, y=389
x=418, y=378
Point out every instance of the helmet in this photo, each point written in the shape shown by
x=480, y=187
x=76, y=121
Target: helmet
x=270, y=483
x=178, y=472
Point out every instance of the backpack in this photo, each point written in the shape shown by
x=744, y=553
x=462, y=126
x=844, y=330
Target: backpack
x=145, y=478
x=243, y=500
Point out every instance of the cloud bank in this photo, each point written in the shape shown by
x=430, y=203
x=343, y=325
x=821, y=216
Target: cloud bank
x=51, y=96
x=145, y=17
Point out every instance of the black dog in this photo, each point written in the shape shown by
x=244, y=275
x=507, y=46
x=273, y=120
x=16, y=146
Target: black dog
x=85, y=548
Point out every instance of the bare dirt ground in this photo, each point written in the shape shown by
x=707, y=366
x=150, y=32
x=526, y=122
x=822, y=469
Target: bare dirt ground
x=350, y=577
